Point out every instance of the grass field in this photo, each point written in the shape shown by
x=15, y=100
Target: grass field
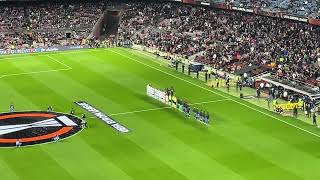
x=243, y=141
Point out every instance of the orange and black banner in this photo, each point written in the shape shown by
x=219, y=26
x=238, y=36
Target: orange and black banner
x=189, y=1
x=314, y=21
x=195, y=2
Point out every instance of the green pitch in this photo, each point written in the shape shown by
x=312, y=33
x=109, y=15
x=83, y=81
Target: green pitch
x=242, y=142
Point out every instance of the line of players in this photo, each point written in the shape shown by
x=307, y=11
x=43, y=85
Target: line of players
x=185, y=107
x=199, y=115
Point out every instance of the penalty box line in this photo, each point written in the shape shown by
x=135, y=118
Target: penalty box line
x=39, y=72
x=161, y=108
x=56, y=60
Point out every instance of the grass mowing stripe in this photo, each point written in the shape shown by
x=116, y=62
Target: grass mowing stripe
x=20, y=161
x=113, y=93
x=129, y=156
x=267, y=143
x=162, y=143
x=6, y=171
x=212, y=142
x=292, y=125
x=75, y=156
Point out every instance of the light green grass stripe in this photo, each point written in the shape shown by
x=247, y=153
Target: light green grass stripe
x=82, y=161
x=173, y=151
x=209, y=142
x=283, y=155
x=34, y=163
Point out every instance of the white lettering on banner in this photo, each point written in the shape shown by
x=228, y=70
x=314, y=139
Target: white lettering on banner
x=295, y=18
x=156, y=94
x=120, y=128
x=242, y=9
x=105, y=118
x=205, y=3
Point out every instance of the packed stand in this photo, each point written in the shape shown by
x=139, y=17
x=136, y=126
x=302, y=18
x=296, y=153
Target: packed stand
x=12, y=18
x=48, y=24
x=226, y=40
x=302, y=8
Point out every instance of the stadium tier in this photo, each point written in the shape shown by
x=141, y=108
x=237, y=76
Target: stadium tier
x=153, y=90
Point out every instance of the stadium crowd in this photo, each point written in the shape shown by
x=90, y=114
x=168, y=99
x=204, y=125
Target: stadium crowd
x=227, y=40
x=301, y=8
x=48, y=24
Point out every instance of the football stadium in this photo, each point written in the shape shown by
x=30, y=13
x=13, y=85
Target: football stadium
x=159, y=89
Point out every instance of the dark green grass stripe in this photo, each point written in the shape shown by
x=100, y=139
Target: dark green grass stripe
x=278, y=151
x=113, y=89
x=281, y=132
x=34, y=163
x=129, y=156
x=7, y=67
x=6, y=171
x=209, y=142
x=10, y=95
x=182, y=156
x=82, y=161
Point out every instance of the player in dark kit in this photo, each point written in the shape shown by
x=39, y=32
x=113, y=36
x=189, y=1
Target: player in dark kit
x=228, y=87
x=315, y=119
x=72, y=111
x=206, y=76
x=207, y=117
x=295, y=111
x=11, y=108
x=176, y=65
x=50, y=109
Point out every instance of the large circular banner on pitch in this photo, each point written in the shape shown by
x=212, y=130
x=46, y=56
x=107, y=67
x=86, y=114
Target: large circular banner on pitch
x=32, y=127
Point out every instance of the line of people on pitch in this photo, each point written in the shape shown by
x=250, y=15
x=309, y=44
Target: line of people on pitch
x=201, y=115
x=185, y=107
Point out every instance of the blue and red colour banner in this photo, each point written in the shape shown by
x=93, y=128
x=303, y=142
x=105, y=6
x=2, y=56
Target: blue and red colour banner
x=34, y=50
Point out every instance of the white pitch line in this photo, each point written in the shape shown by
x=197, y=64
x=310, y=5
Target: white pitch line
x=56, y=60
x=172, y=75
x=35, y=72
x=138, y=111
x=160, y=108
x=38, y=72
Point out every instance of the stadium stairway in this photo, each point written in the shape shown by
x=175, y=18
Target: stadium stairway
x=108, y=23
